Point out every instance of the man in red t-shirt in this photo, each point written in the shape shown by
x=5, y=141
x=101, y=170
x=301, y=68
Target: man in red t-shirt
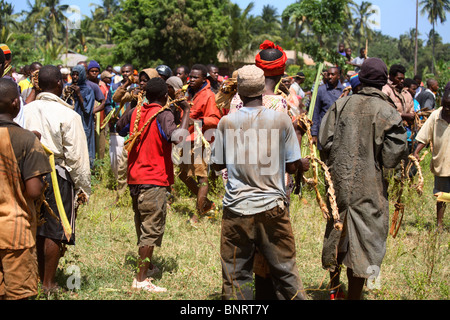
x=205, y=112
x=150, y=172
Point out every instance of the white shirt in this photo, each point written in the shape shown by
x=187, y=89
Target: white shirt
x=437, y=131
x=20, y=119
x=62, y=132
x=298, y=90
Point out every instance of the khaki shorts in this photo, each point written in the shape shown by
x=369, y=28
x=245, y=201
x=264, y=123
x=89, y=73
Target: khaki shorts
x=18, y=273
x=197, y=166
x=150, y=207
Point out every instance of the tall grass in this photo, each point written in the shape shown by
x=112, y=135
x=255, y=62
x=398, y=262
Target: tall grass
x=415, y=265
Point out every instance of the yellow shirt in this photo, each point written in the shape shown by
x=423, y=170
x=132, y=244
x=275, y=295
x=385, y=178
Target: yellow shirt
x=437, y=131
x=25, y=84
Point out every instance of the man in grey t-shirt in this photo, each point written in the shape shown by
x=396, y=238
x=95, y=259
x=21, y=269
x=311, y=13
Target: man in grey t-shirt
x=358, y=61
x=257, y=145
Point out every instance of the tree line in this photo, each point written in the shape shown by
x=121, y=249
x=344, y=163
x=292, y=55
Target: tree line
x=184, y=32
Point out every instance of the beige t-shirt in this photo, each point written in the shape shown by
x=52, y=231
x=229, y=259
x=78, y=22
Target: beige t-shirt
x=403, y=101
x=437, y=131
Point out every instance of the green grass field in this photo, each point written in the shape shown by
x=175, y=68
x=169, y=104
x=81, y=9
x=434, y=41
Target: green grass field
x=415, y=267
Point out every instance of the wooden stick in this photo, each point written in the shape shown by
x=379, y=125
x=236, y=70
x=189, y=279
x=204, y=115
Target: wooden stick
x=420, y=182
x=399, y=211
x=399, y=206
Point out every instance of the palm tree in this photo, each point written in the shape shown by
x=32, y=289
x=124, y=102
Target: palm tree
x=6, y=14
x=294, y=13
x=363, y=12
x=55, y=20
x=103, y=13
x=270, y=19
x=47, y=18
x=349, y=26
x=6, y=20
x=87, y=34
x=50, y=53
x=239, y=42
x=436, y=9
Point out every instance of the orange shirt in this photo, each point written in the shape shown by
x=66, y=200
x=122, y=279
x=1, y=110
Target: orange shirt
x=21, y=158
x=205, y=109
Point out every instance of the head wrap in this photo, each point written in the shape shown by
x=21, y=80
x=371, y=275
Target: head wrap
x=251, y=81
x=150, y=72
x=373, y=72
x=275, y=67
x=93, y=64
x=81, y=74
x=5, y=48
x=354, y=81
x=175, y=82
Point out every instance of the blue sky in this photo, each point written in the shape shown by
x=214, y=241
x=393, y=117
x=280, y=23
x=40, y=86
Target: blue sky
x=397, y=17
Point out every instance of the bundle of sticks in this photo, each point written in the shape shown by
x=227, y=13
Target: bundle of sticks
x=67, y=94
x=399, y=206
x=227, y=91
x=114, y=113
x=35, y=80
x=135, y=136
x=306, y=123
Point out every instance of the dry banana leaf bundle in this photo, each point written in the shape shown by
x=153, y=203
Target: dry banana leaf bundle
x=135, y=136
x=305, y=122
x=399, y=206
x=227, y=91
x=442, y=196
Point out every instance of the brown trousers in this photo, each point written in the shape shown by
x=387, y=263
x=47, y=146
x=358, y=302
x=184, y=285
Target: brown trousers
x=270, y=233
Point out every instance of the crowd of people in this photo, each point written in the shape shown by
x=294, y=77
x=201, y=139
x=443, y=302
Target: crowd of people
x=55, y=121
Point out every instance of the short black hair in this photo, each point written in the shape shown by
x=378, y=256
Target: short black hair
x=210, y=66
x=185, y=68
x=396, y=68
x=9, y=91
x=35, y=65
x=49, y=76
x=202, y=68
x=408, y=82
x=270, y=54
x=128, y=65
x=430, y=82
x=334, y=67
x=418, y=77
x=155, y=89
